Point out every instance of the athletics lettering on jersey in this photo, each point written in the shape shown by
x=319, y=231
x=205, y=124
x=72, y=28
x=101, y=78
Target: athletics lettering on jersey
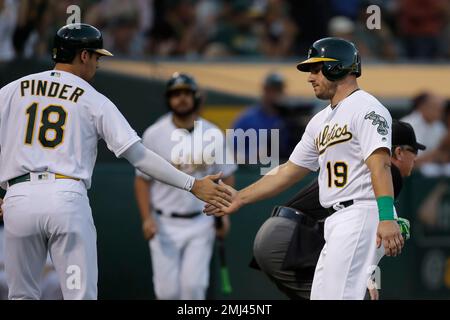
x=328, y=137
x=379, y=121
x=52, y=90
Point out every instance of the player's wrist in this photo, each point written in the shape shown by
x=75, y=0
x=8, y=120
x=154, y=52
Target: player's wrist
x=385, y=208
x=241, y=199
x=148, y=217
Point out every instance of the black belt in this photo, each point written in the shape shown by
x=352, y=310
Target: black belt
x=181, y=215
x=26, y=177
x=295, y=215
x=343, y=205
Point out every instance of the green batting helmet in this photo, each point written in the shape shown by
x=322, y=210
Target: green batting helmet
x=72, y=38
x=339, y=57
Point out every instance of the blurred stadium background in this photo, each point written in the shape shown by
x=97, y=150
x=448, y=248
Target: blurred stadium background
x=230, y=46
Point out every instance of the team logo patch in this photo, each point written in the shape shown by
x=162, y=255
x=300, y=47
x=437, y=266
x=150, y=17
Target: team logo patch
x=379, y=121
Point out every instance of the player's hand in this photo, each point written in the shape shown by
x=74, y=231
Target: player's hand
x=389, y=235
x=1, y=211
x=208, y=190
x=235, y=204
x=373, y=293
x=149, y=228
x=373, y=290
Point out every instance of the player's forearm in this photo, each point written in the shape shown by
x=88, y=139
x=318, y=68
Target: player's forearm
x=379, y=165
x=142, y=194
x=155, y=166
x=382, y=182
x=273, y=183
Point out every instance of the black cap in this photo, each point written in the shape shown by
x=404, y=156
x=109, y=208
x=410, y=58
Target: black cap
x=403, y=134
x=274, y=80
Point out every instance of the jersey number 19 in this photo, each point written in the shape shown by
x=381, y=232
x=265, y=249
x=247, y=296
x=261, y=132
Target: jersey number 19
x=340, y=172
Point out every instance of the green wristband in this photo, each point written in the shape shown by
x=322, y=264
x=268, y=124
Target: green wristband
x=386, y=208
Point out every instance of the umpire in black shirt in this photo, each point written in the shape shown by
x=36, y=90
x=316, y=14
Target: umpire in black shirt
x=288, y=244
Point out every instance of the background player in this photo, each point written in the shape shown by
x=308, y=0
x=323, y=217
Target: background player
x=181, y=237
x=50, y=124
x=350, y=142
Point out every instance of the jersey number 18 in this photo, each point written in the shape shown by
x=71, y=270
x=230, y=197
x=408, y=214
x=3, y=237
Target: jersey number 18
x=47, y=125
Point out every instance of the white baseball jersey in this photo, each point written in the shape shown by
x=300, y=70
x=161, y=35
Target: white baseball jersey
x=338, y=141
x=185, y=150
x=51, y=121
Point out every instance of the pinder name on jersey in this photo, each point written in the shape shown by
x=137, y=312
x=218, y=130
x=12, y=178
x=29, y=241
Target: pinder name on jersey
x=52, y=90
x=331, y=137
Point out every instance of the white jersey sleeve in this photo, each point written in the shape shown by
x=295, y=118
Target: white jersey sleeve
x=115, y=129
x=373, y=129
x=305, y=153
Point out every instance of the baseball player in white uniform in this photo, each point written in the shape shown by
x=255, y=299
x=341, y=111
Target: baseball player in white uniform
x=50, y=123
x=349, y=142
x=180, y=237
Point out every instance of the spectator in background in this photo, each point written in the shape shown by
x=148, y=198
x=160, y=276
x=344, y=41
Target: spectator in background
x=8, y=19
x=240, y=29
x=124, y=22
x=345, y=28
x=421, y=23
x=372, y=44
x=444, y=146
x=378, y=43
x=31, y=33
x=160, y=38
x=426, y=119
x=266, y=115
x=311, y=18
x=173, y=33
x=279, y=30
x=347, y=8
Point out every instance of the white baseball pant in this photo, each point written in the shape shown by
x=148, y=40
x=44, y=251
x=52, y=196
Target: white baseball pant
x=49, y=216
x=350, y=254
x=181, y=255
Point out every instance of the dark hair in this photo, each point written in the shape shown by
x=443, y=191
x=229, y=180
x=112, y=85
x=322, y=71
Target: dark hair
x=420, y=99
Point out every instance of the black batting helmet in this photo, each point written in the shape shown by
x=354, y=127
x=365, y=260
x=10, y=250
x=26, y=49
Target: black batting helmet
x=183, y=81
x=339, y=57
x=72, y=38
